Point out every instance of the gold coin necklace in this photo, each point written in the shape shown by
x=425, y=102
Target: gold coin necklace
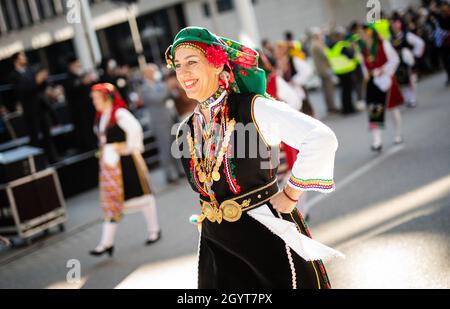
x=208, y=168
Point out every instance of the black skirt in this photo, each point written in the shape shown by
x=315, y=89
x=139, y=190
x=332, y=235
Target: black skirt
x=403, y=74
x=135, y=180
x=376, y=103
x=246, y=254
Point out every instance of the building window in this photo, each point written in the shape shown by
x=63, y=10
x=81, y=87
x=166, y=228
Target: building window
x=24, y=12
x=206, y=10
x=222, y=6
x=59, y=7
x=45, y=9
x=3, y=26
x=34, y=10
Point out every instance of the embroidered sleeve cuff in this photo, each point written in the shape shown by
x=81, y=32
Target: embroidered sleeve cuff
x=320, y=185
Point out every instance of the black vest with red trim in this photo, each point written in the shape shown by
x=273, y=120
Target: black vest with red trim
x=239, y=174
x=115, y=134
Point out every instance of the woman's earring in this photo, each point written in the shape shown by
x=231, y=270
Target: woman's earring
x=225, y=77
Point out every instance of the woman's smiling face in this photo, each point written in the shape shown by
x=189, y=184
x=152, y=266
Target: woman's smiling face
x=195, y=74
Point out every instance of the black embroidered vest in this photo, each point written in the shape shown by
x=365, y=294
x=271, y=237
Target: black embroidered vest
x=400, y=41
x=113, y=134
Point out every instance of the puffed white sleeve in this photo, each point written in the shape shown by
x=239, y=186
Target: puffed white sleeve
x=304, y=72
x=317, y=144
x=132, y=128
x=287, y=93
x=393, y=59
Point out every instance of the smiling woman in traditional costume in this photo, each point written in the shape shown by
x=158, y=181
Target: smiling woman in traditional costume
x=251, y=235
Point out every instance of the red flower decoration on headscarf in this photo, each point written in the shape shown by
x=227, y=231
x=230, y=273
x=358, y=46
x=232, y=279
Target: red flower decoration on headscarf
x=246, y=58
x=249, y=51
x=216, y=55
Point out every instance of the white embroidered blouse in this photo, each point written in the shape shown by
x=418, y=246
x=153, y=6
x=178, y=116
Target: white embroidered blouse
x=317, y=144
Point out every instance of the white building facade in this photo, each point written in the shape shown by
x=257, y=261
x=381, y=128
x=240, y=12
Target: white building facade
x=273, y=18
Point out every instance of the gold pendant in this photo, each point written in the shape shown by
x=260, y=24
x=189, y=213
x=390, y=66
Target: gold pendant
x=218, y=215
x=216, y=176
x=201, y=218
x=209, y=211
x=202, y=177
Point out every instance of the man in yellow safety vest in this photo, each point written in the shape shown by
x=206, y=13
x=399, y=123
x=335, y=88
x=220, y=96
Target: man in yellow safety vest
x=343, y=61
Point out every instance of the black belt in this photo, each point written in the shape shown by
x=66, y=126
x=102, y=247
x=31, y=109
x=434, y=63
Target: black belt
x=231, y=209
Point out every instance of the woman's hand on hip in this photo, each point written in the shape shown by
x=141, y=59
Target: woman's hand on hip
x=121, y=148
x=285, y=202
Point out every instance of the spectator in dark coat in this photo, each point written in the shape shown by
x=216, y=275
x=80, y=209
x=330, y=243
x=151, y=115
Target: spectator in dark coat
x=77, y=88
x=29, y=89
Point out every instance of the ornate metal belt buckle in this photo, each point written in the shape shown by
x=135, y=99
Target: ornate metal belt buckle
x=231, y=210
x=209, y=211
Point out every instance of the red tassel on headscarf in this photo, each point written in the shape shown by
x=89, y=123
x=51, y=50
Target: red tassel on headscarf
x=110, y=91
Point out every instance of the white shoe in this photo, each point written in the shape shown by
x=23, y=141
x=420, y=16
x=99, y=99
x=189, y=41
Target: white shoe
x=398, y=140
x=154, y=237
x=361, y=106
x=411, y=104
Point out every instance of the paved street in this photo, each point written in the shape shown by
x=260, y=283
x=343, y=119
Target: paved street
x=390, y=215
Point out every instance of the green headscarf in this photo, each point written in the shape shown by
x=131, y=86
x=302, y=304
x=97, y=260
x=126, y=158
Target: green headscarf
x=242, y=60
x=376, y=40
